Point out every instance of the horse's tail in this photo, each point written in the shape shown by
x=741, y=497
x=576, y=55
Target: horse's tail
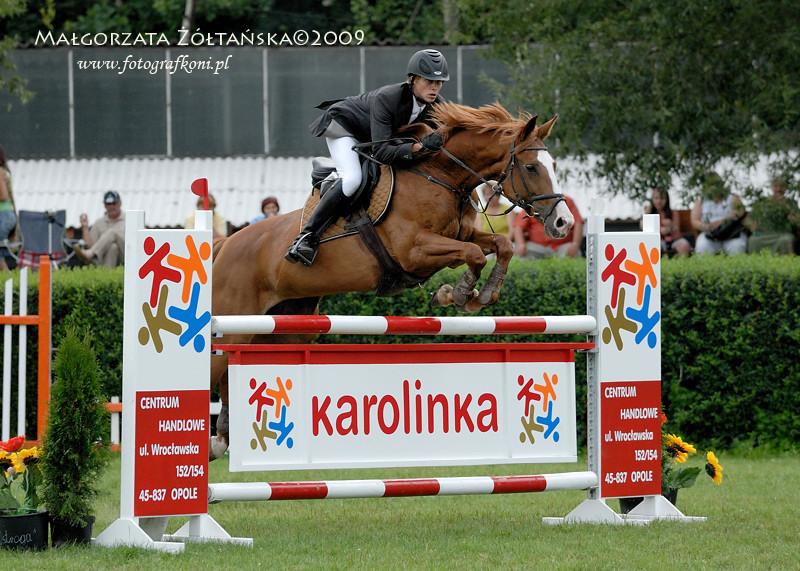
x=217, y=246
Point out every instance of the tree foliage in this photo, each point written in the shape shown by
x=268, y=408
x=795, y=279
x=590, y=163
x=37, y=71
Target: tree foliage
x=656, y=89
x=10, y=80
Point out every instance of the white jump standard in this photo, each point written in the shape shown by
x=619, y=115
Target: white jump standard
x=305, y=407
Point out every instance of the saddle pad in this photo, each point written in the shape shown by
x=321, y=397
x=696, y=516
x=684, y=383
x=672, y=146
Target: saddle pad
x=378, y=206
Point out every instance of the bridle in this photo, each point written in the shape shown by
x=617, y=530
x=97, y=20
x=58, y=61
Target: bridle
x=527, y=204
x=465, y=193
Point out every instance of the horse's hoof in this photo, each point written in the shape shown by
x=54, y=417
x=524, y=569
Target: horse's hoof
x=461, y=296
x=443, y=297
x=217, y=445
x=472, y=306
x=488, y=297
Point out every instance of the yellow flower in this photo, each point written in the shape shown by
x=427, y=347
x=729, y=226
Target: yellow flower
x=681, y=457
x=17, y=463
x=677, y=447
x=713, y=468
x=29, y=455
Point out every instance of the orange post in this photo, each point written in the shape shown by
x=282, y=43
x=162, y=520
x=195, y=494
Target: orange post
x=45, y=306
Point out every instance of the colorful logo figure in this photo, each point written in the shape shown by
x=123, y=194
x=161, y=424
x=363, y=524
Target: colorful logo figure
x=637, y=319
x=276, y=401
x=180, y=319
x=544, y=393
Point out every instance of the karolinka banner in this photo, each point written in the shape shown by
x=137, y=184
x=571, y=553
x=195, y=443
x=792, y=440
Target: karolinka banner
x=337, y=406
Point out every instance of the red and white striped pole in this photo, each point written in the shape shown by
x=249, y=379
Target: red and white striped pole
x=379, y=325
x=333, y=489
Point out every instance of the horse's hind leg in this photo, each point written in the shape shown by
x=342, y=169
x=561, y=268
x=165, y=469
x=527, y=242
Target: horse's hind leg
x=219, y=379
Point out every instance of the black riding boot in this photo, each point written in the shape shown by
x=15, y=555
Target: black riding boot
x=331, y=205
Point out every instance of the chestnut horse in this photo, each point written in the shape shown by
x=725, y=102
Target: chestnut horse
x=430, y=226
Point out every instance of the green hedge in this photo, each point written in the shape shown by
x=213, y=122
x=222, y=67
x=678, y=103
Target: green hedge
x=730, y=351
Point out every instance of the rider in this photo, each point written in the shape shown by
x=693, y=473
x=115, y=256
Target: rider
x=372, y=116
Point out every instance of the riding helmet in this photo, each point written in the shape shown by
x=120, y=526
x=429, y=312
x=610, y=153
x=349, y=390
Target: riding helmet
x=429, y=64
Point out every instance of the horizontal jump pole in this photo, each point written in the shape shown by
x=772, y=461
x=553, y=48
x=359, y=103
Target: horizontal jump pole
x=470, y=485
x=380, y=325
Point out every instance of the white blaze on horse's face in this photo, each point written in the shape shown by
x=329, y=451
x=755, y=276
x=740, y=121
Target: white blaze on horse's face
x=560, y=221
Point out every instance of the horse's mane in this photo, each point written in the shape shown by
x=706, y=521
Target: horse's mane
x=492, y=118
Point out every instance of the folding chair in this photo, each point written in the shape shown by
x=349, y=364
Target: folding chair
x=42, y=234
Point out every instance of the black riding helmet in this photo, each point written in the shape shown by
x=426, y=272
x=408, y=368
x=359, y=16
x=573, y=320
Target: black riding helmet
x=429, y=64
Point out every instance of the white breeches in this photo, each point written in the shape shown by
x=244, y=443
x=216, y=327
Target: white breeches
x=347, y=163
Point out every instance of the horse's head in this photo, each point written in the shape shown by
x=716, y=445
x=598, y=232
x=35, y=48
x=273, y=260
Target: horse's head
x=512, y=150
x=530, y=179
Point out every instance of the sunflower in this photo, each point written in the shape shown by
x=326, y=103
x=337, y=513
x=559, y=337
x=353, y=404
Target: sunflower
x=17, y=463
x=713, y=468
x=29, y=455
x=676, y=447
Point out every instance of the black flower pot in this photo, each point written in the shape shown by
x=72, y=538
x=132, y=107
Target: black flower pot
x=64, y=533
x=672, y=496
x=627, y=504
x=24, y=531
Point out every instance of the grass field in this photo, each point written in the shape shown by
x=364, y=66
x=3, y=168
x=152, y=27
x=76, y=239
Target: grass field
x=752, y=524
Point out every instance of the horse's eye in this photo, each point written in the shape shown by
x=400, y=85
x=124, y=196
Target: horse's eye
x=531, y=169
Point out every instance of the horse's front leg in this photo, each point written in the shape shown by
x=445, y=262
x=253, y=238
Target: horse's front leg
x=432, y=252
x=502, y=247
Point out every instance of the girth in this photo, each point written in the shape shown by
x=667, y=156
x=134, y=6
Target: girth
x=394, y=278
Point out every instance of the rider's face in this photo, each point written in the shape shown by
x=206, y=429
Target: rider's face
x=426, y=89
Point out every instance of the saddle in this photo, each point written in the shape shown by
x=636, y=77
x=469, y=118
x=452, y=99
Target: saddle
x=369, y=207
x=373, y=196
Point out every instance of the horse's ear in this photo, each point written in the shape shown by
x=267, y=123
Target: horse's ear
x=529, y=128
x=543, y=131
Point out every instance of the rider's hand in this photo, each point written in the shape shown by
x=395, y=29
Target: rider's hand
x=84, y=220
x=432, y=141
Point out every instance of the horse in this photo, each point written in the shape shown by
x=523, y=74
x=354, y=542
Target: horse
x=429, y=226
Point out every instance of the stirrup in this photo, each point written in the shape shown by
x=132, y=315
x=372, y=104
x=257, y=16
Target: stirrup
x=301, y=251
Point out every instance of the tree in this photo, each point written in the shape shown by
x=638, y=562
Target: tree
x=655, y=89
x=401, y=21
x=10, y=80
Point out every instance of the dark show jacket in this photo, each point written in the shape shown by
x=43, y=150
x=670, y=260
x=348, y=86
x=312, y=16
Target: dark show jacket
x=375, y=116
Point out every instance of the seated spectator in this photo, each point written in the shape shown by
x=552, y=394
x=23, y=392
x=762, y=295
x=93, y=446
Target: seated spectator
x=774, y=221
x=539, y=245
x=219, y=224
x=8, y=214
x=493, y=221
x=106, y=237
x=673, y=243
x=718, y=215
x=269, y=208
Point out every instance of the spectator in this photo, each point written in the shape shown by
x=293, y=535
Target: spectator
x=539, y=245
x=269, y=208
x=106, y=237
x=672, y=241
x=8, y=213
x=493, y=221
x=218, y=224
x=774, y=221
x=718, y=216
